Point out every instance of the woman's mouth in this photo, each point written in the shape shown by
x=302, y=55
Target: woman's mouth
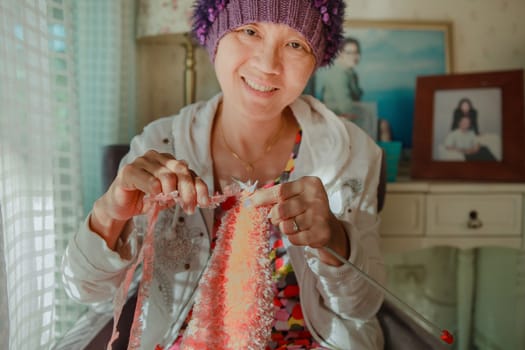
x=258, y=87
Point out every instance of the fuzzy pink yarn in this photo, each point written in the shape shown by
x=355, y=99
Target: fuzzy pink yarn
x=145, y=256
x=233, y=308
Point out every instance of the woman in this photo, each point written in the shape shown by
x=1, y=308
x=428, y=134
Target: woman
x=323, y=172
x=465, y=109
x=465, y=141
x=339, y=86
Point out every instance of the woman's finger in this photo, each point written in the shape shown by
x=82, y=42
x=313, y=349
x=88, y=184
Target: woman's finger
x=302, y=230
x=276, y=194
x=294, y=225
x=156, y=172
x=167, y=178
x=171, y=172
x=203, y=194
x=174, y=175
x=287, y=209
x=187, y=191
x=133, y=177
x=163, y=158
x=266, y=196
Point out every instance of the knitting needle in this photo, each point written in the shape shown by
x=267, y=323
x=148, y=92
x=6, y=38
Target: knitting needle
x=445, y=335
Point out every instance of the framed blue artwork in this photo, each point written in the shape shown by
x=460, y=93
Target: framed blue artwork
x=379, y=64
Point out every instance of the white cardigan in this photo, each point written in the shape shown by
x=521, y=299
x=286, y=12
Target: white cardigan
x=338, y=305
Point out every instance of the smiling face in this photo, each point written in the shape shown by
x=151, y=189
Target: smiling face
x=349, y=56
x=464, y=124
x=465, y=107
x=262, y=68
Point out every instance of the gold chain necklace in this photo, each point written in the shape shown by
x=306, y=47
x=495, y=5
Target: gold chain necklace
x=249, y=165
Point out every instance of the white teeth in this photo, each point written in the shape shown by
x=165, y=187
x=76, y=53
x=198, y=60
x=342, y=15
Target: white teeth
x=258, y=87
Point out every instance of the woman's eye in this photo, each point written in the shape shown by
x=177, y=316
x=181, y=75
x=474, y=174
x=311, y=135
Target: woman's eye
x=249, y=31
x=295, y=45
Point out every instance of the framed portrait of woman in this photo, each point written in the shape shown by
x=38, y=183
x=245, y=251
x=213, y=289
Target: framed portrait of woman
x=470, y=126
x=467, y=126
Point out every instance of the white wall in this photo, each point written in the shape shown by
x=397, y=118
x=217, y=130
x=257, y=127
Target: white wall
x=488, y=34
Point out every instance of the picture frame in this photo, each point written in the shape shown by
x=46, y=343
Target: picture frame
x=493, y=121
x=393, y=53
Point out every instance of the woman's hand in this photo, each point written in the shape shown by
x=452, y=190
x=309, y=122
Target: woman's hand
x=302, y=212
x=151, y=174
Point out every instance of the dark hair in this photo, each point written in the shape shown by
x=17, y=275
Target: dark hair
x=463, y=100
x=472, y=114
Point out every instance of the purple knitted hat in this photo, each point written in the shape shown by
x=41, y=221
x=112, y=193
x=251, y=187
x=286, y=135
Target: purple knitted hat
x=319, y=21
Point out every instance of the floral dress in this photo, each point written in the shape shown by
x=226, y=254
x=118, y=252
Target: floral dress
x=289, y=330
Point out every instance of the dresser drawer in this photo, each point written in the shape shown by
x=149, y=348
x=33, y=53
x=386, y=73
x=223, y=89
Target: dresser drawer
x=403, y=215
x=456, y=214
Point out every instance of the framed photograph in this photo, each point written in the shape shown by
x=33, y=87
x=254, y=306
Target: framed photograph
x=470, y=127
x=379, y=64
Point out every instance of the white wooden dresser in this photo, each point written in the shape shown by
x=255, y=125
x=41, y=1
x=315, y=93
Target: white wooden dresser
x=421, y=214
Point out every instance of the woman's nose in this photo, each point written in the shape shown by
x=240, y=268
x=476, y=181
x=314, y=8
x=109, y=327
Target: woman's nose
x=268, y=59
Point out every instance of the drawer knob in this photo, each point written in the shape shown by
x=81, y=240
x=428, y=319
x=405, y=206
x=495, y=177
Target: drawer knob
x=474, y=222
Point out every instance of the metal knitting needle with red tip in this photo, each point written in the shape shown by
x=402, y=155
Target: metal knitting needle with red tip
x=444, y=334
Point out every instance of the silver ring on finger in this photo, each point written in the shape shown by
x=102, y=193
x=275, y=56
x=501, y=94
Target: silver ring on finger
x=296, y=227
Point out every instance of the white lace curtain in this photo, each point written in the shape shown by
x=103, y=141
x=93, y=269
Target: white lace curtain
x=66, y=89
x=105, y=39
x=40, y=195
